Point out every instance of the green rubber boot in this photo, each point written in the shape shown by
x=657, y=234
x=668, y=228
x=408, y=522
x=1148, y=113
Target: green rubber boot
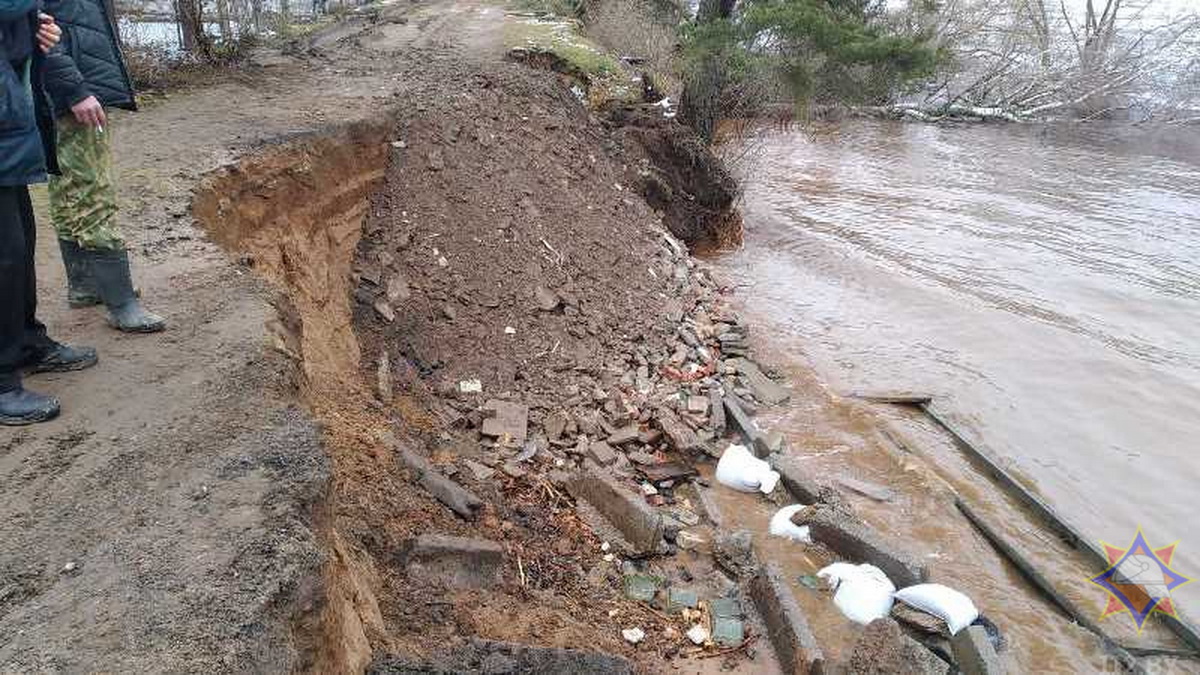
x=81, y=288
x=110, y=270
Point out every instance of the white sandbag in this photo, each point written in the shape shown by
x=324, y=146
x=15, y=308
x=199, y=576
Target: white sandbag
x=742, y=471
x=864, y=593
x=782, y=525
x=944, y=602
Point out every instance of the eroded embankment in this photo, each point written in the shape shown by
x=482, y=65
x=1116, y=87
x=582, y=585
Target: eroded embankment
x=294, y=213
x=484, y=232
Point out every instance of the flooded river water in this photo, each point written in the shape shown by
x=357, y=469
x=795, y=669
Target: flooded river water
x=1043, y=284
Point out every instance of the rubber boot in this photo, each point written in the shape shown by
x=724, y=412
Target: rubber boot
x=19, y=406
x=81, y=288
x=110, y=270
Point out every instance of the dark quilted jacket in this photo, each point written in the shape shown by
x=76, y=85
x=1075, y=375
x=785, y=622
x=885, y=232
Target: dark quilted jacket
x=26, y=128
x=88, y=61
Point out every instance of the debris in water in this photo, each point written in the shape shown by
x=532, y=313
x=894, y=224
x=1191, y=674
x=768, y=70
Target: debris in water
x=782, y=525
x=877, y=492
x=952, y=606
x=742, y=471
x=810, y=581
x=734, y=553
x=863, y=592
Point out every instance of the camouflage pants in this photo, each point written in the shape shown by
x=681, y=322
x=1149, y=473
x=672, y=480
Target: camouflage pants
x=83, y=200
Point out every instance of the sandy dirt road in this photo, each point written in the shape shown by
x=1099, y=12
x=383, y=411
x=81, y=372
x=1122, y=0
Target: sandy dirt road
x=165, y=521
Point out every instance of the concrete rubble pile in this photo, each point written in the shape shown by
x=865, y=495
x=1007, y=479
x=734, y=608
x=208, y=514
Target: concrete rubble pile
x=630, y=445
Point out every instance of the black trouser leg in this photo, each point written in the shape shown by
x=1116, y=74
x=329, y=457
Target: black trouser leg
x=37, y=342
x=16, y=273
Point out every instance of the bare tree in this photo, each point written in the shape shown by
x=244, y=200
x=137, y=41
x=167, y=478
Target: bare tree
x=1025, y=58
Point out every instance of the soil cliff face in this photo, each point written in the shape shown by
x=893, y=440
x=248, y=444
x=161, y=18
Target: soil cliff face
x=295, y=215
x=681, y=178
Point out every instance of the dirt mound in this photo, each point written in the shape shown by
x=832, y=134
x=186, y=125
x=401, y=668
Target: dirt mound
x=506, y=249
x=505, y=258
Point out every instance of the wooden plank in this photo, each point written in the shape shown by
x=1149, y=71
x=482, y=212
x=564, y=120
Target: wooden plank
x=1072, y=536
x=1043, y=585
x=895, y=397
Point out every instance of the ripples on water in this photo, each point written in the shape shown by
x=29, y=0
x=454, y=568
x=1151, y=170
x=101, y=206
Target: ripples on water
x=1046, y=281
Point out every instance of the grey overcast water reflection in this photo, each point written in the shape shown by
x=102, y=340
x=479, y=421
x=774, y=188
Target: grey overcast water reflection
x=1045, y=282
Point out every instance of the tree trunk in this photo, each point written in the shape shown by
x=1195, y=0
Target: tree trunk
x=191, y=28
x=223, y=20
x=1039, y=23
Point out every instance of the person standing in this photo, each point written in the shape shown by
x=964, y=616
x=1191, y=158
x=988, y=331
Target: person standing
x=85, y=74
x=26, y=152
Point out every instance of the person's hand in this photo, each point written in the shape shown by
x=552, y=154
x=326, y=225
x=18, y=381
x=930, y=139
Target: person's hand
x=90, y=112
x=48, y=33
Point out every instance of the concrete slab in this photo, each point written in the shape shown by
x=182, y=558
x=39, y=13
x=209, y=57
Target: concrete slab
x=884, y=649
x=602, y=453
x=507, y=422
x=628, y=513
x=454, y=561
x=456, y=497
x=765, y=389
x=859, y=543
x=741, y=420
x=787, y=628
x=974, y=654
x=627, y=434
x=679, y=434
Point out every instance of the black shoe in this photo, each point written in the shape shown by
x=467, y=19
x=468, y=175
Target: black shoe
x=62, y=359
x=81, y=287
x=20, y=406
x=110, y=270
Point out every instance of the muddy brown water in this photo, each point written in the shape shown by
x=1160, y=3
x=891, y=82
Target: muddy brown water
x=1044, y=285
